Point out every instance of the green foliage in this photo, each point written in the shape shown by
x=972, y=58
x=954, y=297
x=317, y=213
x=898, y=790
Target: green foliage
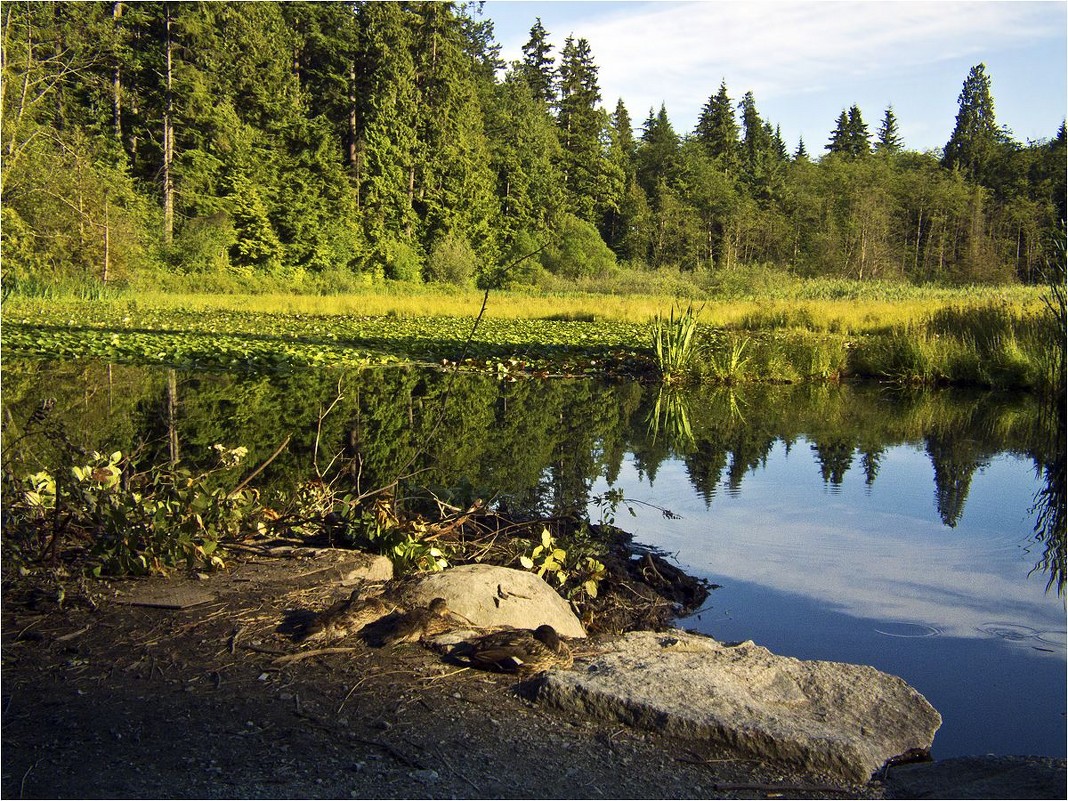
x=137, y=522
x=400, y=261
x=404, y=543
x=452, y=260
x=576, y=250
x=576, y=572
x=673, y=343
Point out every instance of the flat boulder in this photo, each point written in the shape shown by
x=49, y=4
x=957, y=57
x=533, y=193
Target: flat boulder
x=837, y=720
x=490, y=596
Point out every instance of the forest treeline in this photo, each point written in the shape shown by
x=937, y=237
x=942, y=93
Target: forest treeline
x=359, y=141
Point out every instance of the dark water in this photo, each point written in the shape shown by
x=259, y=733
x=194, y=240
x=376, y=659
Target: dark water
x=864, y=525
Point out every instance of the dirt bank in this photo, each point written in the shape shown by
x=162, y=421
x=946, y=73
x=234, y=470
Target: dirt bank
x=104, y=698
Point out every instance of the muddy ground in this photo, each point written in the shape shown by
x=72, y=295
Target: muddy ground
x=106, y=697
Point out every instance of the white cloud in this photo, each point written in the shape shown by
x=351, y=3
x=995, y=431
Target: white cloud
x=789, y=53
x=683, y=49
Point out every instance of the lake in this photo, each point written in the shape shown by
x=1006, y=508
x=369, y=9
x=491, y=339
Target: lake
x=889, y=527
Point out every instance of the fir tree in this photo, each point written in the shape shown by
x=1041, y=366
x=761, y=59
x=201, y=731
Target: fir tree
x=658, y=152
x=757, y=142
x=888, y=141
x=859, y=139
x=801, y=154
x=839, y=141
x=850, y=137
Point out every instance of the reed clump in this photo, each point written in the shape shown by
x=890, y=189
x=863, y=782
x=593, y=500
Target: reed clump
x=673, y=343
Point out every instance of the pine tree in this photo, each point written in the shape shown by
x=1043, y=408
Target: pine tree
x=975, y=137
x=536, y=68
x=801, y=154
x=888, y=141
x=717, y=129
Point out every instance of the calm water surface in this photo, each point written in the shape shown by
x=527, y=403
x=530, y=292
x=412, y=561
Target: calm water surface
x=870, y=573
x=853, y=524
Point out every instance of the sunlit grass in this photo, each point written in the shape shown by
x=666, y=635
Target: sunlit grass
x=792, y=330
x=863, y=309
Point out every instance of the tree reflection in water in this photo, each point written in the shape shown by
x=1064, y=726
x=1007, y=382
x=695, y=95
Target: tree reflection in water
x=537, y=446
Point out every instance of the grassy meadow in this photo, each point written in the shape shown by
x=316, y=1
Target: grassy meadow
x=765, y=326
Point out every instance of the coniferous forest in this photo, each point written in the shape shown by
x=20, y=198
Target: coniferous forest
x=357, y=142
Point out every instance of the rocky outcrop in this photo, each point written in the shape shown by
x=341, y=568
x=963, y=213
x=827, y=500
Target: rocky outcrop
x=842, y=721
x=490, y=596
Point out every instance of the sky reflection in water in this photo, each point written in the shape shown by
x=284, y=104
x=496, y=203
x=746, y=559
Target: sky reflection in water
x=869, y=573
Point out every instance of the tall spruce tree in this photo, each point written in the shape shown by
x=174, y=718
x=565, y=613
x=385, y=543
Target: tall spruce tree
x=850, y=137
x=859, y=137
x=658, y=154
x=536, y=68
x=974, y=141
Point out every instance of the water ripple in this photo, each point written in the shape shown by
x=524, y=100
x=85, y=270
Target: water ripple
x=900, y=628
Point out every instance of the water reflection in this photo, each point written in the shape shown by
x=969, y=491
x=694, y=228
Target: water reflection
x=538, y=447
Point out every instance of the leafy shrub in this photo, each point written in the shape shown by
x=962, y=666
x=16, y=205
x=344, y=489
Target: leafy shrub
x=138, y=523
x=452, y=260
x=401, y=261
x=577, y=250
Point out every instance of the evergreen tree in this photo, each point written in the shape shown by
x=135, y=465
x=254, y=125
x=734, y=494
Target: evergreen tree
x=626, y=216
x=839, y=141
x=386, y=133
x=850, y=137
x=779, y=145
x=536, y=68
x=581, y=124
x=887, y=139
x=974, y=141
x=452, y=187
x=757, y=143
x=526, y=155
x=761, y=157
x=859, y=138
x=657, y=155
x=801, y=154
x=717, y=129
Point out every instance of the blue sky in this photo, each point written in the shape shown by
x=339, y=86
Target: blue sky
x=806, y=60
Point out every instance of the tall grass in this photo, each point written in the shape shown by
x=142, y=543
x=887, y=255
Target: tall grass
x=673, y=343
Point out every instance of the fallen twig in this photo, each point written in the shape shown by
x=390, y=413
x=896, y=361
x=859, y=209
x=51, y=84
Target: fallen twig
x=782, y=788
x=262, y=467
x=300, y=655
x=72, y=635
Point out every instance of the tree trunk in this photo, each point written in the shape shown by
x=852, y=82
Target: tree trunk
x=116, y=79
x=172, y=414
x=107, y=241
x=168, y=137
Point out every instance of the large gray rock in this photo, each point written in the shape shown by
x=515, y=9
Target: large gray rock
x=842, y=721
x=490, y=596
